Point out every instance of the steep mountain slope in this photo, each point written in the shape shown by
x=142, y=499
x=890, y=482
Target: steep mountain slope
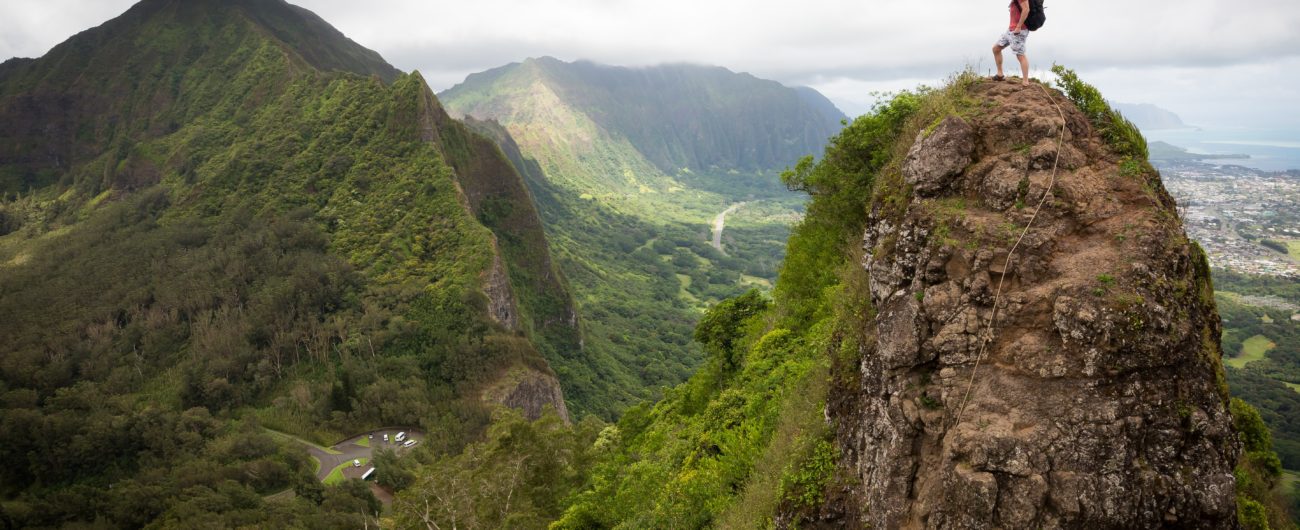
x=104, y=86
x=630, y=167
x=220, y=216
x=1085, y=391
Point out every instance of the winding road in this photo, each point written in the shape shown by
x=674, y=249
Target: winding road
x=720, y=222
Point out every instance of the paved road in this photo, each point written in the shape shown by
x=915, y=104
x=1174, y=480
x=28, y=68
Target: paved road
x=348, y=450
x=720, y=222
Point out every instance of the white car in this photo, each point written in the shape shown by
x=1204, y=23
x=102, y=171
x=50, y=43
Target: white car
x=385, y=438
x=400, y=436
x=356, y=463
x=410, y=443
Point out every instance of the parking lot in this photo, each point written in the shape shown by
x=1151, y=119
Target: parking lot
x=337, y=462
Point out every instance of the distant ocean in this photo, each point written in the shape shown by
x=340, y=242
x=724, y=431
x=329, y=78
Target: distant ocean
x=1269, y=150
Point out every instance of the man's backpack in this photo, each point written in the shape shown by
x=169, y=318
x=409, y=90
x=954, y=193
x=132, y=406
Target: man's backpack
x=1036, y=16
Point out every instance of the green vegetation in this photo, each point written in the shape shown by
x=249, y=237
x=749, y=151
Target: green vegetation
x=1258, y=473
x=628, y=194
x=1293, y=249
x=1253, y=349
x=248, y=239
x=682, y=462
x=776, y=124
x=291, y=437
x=1246, y=284
x=1165, y=151
x=336, y=475
x=1264, y=382
x=744, y=439
x=519, y=477
x=238, y=240
x=1120, y=133
x=1278, y=246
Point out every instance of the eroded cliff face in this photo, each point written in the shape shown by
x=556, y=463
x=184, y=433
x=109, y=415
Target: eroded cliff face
x=1099, y=399
x=501, y=299
x=528, y=390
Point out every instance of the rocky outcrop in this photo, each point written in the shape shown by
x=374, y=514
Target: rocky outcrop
x=1095, y=399
x=501, y=300
x=529, y=391
x=938, y=156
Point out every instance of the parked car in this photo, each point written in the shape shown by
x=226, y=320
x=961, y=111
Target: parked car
x=401, y=436
x=356, y=463
x=410, y=443
x=385, y=438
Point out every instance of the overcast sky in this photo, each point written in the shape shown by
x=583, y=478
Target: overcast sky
x=1220, y=63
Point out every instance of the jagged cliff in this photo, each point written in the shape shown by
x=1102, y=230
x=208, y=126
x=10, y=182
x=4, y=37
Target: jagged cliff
x=1096, y=397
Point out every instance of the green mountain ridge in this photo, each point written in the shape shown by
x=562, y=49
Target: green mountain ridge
x=219, y=216
x=102, y=86
x=676, y=118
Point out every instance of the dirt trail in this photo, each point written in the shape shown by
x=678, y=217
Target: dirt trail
x=720, y=222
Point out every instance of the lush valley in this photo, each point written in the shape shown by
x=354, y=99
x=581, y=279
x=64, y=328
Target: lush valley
x=629, y=168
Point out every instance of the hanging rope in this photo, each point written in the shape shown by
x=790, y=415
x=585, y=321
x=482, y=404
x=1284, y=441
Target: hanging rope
x=990, y=332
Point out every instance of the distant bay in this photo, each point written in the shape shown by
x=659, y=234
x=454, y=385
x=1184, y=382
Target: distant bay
x=1269, y=149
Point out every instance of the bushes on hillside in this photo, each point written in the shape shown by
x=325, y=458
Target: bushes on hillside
x=1122, y=135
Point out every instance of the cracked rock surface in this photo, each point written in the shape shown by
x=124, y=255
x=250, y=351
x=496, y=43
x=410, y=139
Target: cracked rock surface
x=1098, y=400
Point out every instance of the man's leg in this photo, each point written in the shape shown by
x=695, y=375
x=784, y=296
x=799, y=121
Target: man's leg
x=1018, y=45
x=1002, y=44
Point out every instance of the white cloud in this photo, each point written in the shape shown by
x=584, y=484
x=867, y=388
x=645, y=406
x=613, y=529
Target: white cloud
x=1197, y=57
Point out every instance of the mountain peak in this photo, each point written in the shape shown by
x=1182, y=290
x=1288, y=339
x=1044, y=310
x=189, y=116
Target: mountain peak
x=299, y=31
x=704, y=118
x=1040, y=315
x=150, y=69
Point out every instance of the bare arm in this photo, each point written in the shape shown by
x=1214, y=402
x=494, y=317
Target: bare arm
x=1024, y=14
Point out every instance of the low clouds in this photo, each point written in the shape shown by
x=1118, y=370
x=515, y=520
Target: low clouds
x=1192, y=56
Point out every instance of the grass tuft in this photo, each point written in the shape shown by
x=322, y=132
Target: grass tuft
x=1120, y=133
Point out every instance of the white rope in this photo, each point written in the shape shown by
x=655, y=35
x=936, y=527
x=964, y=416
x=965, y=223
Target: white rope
x=991, y=331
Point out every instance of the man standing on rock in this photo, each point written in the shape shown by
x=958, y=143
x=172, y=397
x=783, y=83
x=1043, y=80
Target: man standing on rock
x=1015, y=37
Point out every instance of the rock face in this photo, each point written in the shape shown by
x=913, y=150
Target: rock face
x=939, y=156
x=530, y=391
x=1098, y=400
x=501, y=299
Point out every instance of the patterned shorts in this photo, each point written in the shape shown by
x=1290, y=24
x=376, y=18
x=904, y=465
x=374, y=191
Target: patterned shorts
x=1014, y=40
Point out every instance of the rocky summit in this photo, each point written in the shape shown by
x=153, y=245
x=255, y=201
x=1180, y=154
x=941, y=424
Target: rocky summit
x=1073, y=384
